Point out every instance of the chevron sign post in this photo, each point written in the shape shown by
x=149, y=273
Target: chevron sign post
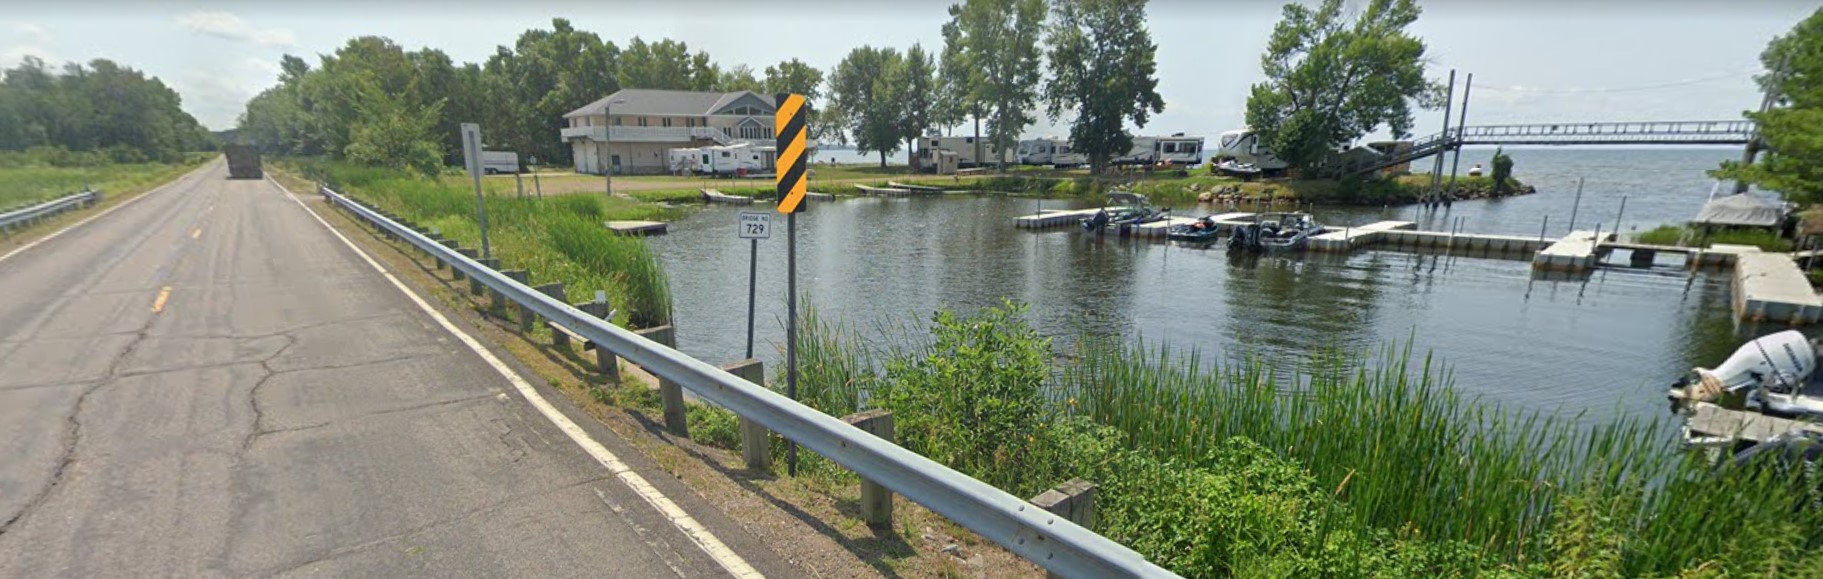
x=789, y=127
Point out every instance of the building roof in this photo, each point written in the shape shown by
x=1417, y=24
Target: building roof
x=1741, y=210
x=645, y=101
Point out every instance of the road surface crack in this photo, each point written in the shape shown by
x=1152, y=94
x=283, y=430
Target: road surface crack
x=72, y=431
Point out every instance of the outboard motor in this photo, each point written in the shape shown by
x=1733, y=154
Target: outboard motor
x=1778, y=363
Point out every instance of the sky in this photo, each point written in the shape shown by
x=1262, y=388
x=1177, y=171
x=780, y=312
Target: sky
x=1536, y=61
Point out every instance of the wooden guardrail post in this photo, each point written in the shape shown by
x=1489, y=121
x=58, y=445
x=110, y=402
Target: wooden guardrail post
x=449, y=243
x=474, y=285
x=669, y=392
x=527, y=319
x=876, y=500
x=456, y=274
x=604, y=359
x=498, y=300
x=756, y=441
x=1073, y=500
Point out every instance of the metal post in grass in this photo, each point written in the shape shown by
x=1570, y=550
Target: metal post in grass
x=471, y=152
x=789, y=130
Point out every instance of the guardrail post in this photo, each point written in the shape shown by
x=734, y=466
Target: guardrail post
x=876, y=500
x=449, y=243
x=498, y=300
x=756, y=441
x=669, y=392
x=604, y=359
x=1073, y=500
x=474, y=285
x=456, y=274
x=555, y=291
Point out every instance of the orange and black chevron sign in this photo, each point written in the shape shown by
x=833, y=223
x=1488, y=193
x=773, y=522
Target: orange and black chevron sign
x=788, y=125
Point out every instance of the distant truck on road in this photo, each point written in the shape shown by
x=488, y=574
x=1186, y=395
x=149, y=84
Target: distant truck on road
x=499, y=162
x=243, y=162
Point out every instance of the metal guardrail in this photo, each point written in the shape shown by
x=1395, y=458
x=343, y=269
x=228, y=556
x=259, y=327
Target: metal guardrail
x=19, y=217
x=1049, y=540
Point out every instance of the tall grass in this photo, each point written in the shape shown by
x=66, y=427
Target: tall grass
x=1352, y=464
x=557, y=239
x=1406, y=452
x=23, y=183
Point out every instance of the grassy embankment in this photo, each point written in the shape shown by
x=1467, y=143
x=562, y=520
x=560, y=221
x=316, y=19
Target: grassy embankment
x=27, y=178
x=1359, y=466
x=556, y=239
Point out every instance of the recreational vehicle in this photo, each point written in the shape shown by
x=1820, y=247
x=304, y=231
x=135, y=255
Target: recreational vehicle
x=964, y=148
x=1039, y=151
x=738, y=159
x=494, y=162
x=1178, y=150
x=1243, y=147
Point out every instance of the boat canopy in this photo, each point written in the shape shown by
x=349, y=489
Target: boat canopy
x=1741, y=210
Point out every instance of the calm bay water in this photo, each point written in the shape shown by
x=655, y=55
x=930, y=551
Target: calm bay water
x=1609, y=342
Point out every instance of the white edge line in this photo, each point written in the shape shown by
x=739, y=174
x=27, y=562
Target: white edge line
x=103, y=213
x=727, y=558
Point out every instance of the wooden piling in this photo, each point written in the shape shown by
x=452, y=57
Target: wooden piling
x=1073, y=500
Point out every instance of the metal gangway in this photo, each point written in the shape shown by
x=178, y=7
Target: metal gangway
x=1734, y=132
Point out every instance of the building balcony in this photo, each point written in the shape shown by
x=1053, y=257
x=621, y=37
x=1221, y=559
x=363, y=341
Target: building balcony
x=644, y=134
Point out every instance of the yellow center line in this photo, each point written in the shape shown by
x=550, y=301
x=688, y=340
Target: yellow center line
x=197, y=233
x=158, y=305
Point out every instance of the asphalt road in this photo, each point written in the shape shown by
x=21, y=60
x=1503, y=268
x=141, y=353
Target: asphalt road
x=206, y=383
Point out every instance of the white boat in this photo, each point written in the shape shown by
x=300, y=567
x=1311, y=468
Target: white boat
x=1773, y=375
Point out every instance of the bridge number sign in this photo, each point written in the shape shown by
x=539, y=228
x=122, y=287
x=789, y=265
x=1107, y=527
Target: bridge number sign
x=755, y=225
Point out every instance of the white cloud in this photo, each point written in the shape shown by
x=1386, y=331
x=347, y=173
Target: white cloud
x=32, y=33
x=226, y=25
x=32, y=40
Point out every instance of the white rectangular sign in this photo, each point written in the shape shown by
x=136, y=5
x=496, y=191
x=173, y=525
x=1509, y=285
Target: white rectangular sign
x=755, y=225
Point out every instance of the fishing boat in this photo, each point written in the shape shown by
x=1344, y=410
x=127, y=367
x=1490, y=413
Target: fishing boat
x=921, y=189
x=1232, y=168
x=886, y=191
x=1121, y=212
x=1276, y=232
x=1203, y=230
x=1773, y=375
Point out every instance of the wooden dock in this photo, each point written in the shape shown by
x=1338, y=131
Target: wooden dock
x=638, y=227
x=1709, y=420
x=919, y=188
x=1770, y=287
x=714, y=196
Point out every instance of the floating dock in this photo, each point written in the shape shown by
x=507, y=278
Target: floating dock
x=638, y=227
x=814, y=196
x=1349, y=238
x=1770, y=287
x=1575, y=252
x=714, y=196
x=919, y=188
x=1709, y=420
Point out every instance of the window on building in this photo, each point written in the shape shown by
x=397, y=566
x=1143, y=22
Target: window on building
x=642, y=121
x=665, y=121
x=689, y=122
x=725, y=154
x=616, y=121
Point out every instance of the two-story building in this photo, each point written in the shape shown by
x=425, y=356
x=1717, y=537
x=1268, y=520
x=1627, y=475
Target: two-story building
x=633, y=130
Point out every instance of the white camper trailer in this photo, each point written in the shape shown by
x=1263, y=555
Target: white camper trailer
x=1141, y=153
x=1178, y=150
x=1062, y=156
x=684, y=161
x=964, y=148
x=1038, y=151
x=1243, y=146
x=731, y=160
x=499, y=162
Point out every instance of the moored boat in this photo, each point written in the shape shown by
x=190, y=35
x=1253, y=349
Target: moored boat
x=1203, y=230
x=1121, y=212
x=1276, y=232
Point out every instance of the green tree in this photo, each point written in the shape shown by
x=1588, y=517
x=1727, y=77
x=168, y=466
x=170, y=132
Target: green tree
x=528, y=88
x=915, y=80
x=1503, y=171
x=666, y=64
x=100, y=106
x=1792, y=131
x=389, y=131
x=998, y=40
x=865, y=102
x=739, y=78
x=1330, y=81
x=794, y=76
x=1103, y=70
x=953, y=78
